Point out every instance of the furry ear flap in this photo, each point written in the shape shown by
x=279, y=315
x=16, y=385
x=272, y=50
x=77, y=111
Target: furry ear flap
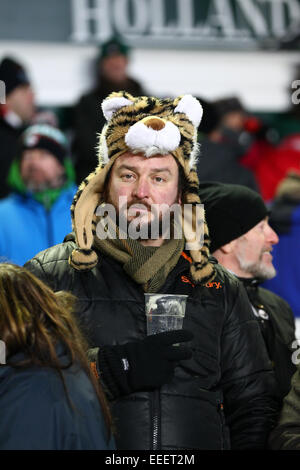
x=191, y=107
x=113, y=103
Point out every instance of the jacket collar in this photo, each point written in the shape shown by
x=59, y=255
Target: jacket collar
x=6, y=370
x=250, y=281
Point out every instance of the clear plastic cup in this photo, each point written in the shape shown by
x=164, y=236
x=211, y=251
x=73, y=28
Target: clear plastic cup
x=164, y=312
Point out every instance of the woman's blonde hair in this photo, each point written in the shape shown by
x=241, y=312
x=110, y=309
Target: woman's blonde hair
x=35, y=320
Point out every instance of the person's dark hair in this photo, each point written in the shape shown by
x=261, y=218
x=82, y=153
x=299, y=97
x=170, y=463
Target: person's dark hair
x=211, y=119
x=35, y=320
x=182, y=182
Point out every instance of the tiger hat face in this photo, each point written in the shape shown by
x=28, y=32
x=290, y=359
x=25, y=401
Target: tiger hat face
x=141, y=125
x=150, y=126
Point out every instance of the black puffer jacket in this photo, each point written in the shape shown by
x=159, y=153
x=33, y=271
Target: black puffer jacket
x=227, y=385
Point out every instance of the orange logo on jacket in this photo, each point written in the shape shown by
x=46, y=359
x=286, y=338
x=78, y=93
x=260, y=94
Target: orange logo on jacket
x=217, y=285
x=187, y=280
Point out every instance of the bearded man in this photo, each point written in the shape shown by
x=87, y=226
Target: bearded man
x=214, y=391
x=35, y=214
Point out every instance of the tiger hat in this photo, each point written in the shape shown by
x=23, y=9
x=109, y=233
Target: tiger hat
x=150, y=126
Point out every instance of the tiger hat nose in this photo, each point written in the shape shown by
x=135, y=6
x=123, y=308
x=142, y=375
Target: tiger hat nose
x=156, y=123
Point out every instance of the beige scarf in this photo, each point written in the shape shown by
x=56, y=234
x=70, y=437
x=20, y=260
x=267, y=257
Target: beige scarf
x=146, y=265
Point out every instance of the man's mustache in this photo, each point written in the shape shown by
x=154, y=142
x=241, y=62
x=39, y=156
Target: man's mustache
x=139, y=204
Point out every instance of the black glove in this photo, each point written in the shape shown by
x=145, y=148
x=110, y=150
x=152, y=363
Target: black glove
x=142, y=365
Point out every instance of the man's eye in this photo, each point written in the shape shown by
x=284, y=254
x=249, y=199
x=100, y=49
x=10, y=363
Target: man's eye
x=158, y=179
x=126, y=177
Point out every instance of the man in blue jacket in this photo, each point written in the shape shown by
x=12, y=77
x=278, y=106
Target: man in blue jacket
x=35, y=215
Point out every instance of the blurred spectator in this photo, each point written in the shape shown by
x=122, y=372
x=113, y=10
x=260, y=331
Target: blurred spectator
x=219, y=157
x=285, y=219
x=233, y=117
x=111, y=75
x=49, y=399
x=232, y=114
x=249, y=135
x=36, y=214
x=15, y=114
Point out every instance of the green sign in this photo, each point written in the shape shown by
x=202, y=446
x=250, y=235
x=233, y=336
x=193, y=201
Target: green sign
x=198, y=24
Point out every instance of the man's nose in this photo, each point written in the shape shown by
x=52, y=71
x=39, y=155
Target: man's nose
x=142, y=188
x=271, y=236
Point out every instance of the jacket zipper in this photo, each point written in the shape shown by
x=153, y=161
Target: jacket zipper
x=49, y=228
x=156, y=420
x=156, y=417
x=47, y=207
x=224, y=442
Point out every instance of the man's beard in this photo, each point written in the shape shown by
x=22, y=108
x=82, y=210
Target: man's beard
x=258, y=270
x=145, y=229
x=35, y=186
x=160, y=224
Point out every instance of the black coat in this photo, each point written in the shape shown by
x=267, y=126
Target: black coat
x=219, y=161
x=278, y=330
x=36, y=415
x=223, y=394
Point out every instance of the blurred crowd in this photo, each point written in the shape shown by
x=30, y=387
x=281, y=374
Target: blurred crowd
x=41, y=164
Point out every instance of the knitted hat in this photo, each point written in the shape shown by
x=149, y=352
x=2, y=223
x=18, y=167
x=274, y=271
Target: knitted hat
x=231, y=210
x=12, y=74
x=113, y=47
x=149, y=126
x=43, y=136
x=228, y=105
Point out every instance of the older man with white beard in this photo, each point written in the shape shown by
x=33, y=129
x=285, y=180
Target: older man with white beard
x=242, y=240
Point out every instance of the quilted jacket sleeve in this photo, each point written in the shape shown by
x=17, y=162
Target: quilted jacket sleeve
x=51, y=266
x=250, y=399
x=36, y=268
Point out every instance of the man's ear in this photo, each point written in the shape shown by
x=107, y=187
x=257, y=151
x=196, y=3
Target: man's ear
x=228, y=248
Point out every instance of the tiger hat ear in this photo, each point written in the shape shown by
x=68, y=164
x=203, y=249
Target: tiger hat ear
x=191, y=107
x=114, y=102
